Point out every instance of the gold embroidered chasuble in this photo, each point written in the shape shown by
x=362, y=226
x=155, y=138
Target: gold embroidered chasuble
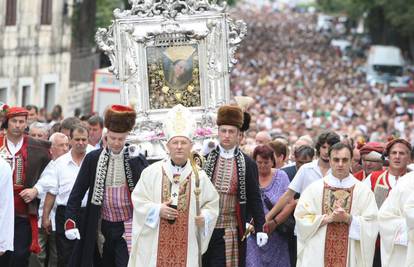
x=309, y=213
x=155, y=242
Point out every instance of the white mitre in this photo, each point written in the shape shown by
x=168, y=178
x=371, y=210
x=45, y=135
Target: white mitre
x=179, y=122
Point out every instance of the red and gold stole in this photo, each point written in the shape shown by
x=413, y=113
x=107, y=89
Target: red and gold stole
x=381, y=186
x=173, y=238
x=336, y=240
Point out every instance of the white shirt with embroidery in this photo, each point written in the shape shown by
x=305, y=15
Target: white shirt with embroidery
x=226, y=153
x=6, y=207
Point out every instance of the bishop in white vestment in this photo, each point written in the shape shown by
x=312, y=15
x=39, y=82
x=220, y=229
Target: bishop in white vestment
x=409, y=216
x=165, y=222
x=337, y=216
x=395, y=241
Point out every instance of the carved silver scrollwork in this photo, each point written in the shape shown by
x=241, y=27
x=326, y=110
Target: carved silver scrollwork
x=169, y=9
x=148, y=125
x=105, y=41
x=130, y=53
x=237, y=32
x=213, y=55
x=208, y=118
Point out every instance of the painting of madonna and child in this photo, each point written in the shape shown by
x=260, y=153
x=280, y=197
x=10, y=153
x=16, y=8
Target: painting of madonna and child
x=173, y=76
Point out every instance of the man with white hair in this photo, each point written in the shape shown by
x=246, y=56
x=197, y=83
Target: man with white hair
x=39, y=130
x=263, y=138
x=60, y=146
x=61, y=179
x=166, y=226
x=304, y=140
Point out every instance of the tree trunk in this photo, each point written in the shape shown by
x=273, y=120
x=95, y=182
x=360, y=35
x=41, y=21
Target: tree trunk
x=411, y=46
x=86, y=24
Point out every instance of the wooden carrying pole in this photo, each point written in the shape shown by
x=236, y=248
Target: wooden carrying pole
x=197, y=192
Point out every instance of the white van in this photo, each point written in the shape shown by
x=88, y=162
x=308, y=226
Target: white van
x=344, y=46
x=385, y=64
x=324, y=23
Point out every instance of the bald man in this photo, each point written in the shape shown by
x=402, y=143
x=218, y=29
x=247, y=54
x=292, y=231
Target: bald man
x=263, y=138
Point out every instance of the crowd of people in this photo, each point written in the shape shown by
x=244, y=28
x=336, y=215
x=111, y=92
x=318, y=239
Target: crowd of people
x=306, y=176
x=302, y=86
x=100, y=201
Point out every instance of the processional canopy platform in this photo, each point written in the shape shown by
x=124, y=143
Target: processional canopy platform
x=169, y=52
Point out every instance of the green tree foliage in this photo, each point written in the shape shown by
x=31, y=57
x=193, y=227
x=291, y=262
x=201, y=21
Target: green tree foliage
x=83, y=24
x=399, y=13
x=104, y=11
x=231, y=2
x=85, y=21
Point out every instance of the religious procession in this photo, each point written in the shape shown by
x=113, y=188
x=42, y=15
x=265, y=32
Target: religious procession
x=242, y=138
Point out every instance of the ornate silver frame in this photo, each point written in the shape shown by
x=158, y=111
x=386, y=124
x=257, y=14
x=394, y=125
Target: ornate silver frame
x=152, y=23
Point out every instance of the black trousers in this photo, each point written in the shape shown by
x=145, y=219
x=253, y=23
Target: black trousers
x=215, y=255
x=115, y=249
x=21, y=242
x=377, y=257
x=64, y=246
x=5, y=259
x=292, y=245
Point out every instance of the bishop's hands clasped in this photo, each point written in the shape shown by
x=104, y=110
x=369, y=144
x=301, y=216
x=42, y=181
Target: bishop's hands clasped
x=168, y=213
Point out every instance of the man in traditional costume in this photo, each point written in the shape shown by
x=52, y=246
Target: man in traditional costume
x=110, y=174
x=172, y=225
x=409, y=216
x=337, y=214
x=235, y=177
x=395, y=241
x=27, y=158
x=381, y=182
x=371, y=159
x=6, y=212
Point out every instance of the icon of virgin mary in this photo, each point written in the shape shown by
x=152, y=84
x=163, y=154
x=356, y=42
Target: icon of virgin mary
x=178, y=66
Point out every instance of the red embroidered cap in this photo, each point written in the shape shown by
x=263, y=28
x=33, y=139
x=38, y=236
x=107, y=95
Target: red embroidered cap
x=16, y=111
x=372, y=146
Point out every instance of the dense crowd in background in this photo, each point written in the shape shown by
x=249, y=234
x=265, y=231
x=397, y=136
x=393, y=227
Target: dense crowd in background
x=301, y=85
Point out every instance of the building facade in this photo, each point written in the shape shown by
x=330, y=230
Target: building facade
x=35, y=41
